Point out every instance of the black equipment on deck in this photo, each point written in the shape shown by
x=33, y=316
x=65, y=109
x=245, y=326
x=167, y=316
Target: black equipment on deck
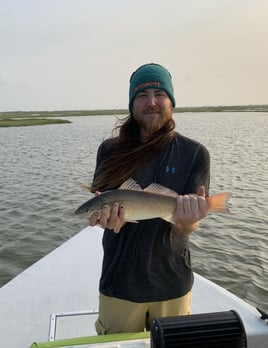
x=218, y=329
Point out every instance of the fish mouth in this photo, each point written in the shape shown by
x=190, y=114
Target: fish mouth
x=77, y=211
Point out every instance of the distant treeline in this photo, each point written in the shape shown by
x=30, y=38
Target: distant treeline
x=231, y=108
x=71, y=113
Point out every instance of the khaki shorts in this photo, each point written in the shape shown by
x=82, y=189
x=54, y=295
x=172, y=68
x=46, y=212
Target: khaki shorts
x=116, y=315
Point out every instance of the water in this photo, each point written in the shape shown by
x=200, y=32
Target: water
x=42, y=167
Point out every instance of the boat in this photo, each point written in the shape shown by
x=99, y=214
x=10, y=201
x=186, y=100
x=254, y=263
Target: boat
x=54, y=303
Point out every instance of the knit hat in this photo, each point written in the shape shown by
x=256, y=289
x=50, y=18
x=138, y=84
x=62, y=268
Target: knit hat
x=150, y=76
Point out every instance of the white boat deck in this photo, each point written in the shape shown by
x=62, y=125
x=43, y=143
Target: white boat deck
x=67, y=279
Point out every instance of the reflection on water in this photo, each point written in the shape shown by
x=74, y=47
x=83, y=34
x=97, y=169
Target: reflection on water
x=42, y=167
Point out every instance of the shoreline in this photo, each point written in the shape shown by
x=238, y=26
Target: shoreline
x=33, y=118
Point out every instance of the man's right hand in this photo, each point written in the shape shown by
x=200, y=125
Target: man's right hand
x=112, y=218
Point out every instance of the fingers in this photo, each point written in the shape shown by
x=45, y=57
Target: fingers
x=120, y=220
x=201, y=191
x=191, y=208
x=201, y=198
x=110, y=217
x=187, y=207
x=94, y=219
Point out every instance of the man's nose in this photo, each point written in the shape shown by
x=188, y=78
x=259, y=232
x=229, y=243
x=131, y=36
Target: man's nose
x=151, y=100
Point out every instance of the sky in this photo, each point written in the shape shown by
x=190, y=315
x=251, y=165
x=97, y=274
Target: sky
x=79, y=54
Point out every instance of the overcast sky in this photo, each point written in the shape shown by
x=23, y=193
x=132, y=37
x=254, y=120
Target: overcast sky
x=79, y=54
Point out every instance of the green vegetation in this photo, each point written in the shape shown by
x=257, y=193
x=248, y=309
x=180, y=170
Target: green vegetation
x=230, y=108
x=12, y=122
x=33, y=118
x=37, y=118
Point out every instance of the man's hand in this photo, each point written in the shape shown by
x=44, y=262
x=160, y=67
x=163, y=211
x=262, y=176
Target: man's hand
x=112, y=218
x=190, y=209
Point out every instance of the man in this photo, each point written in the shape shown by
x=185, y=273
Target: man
x=146, y=270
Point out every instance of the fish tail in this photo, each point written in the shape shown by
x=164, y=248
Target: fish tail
x=218, y=202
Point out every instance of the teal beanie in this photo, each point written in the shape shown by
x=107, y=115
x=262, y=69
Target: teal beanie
x=150, y=76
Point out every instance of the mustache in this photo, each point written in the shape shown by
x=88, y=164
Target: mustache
x=151, y=109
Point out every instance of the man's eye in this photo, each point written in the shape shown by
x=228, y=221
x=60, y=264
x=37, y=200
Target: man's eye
x=160, y=94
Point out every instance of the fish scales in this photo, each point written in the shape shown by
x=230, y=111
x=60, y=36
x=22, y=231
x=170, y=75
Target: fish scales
x=155, y=201
x=138, y=205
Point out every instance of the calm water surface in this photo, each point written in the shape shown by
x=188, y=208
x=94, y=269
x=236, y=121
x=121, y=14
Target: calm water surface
x=42, y=167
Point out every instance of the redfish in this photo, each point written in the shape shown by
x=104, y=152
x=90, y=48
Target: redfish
x=155, y=201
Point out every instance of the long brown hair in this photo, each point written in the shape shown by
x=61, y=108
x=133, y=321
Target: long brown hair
x=129, y=153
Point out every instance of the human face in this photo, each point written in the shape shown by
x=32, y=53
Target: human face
x=151, y=109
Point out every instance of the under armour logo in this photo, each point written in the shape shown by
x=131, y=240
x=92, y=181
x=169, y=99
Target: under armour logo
x=170, y=170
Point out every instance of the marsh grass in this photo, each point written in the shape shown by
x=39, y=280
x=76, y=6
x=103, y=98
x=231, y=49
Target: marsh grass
x=36, y=118
x=29, y=122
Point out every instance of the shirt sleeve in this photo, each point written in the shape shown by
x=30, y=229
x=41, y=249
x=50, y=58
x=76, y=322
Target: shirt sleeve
x=104, y=151
x=200, y=172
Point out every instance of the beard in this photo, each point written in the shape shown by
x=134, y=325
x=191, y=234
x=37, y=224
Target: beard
x=154, y=123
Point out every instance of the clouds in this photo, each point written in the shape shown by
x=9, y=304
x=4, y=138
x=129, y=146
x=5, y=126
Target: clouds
x=80, y=53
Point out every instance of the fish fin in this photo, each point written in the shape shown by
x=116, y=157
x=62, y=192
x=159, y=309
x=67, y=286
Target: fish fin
x=130, y=184
x=218, y=202
x=161, y=190
x=85, y=187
